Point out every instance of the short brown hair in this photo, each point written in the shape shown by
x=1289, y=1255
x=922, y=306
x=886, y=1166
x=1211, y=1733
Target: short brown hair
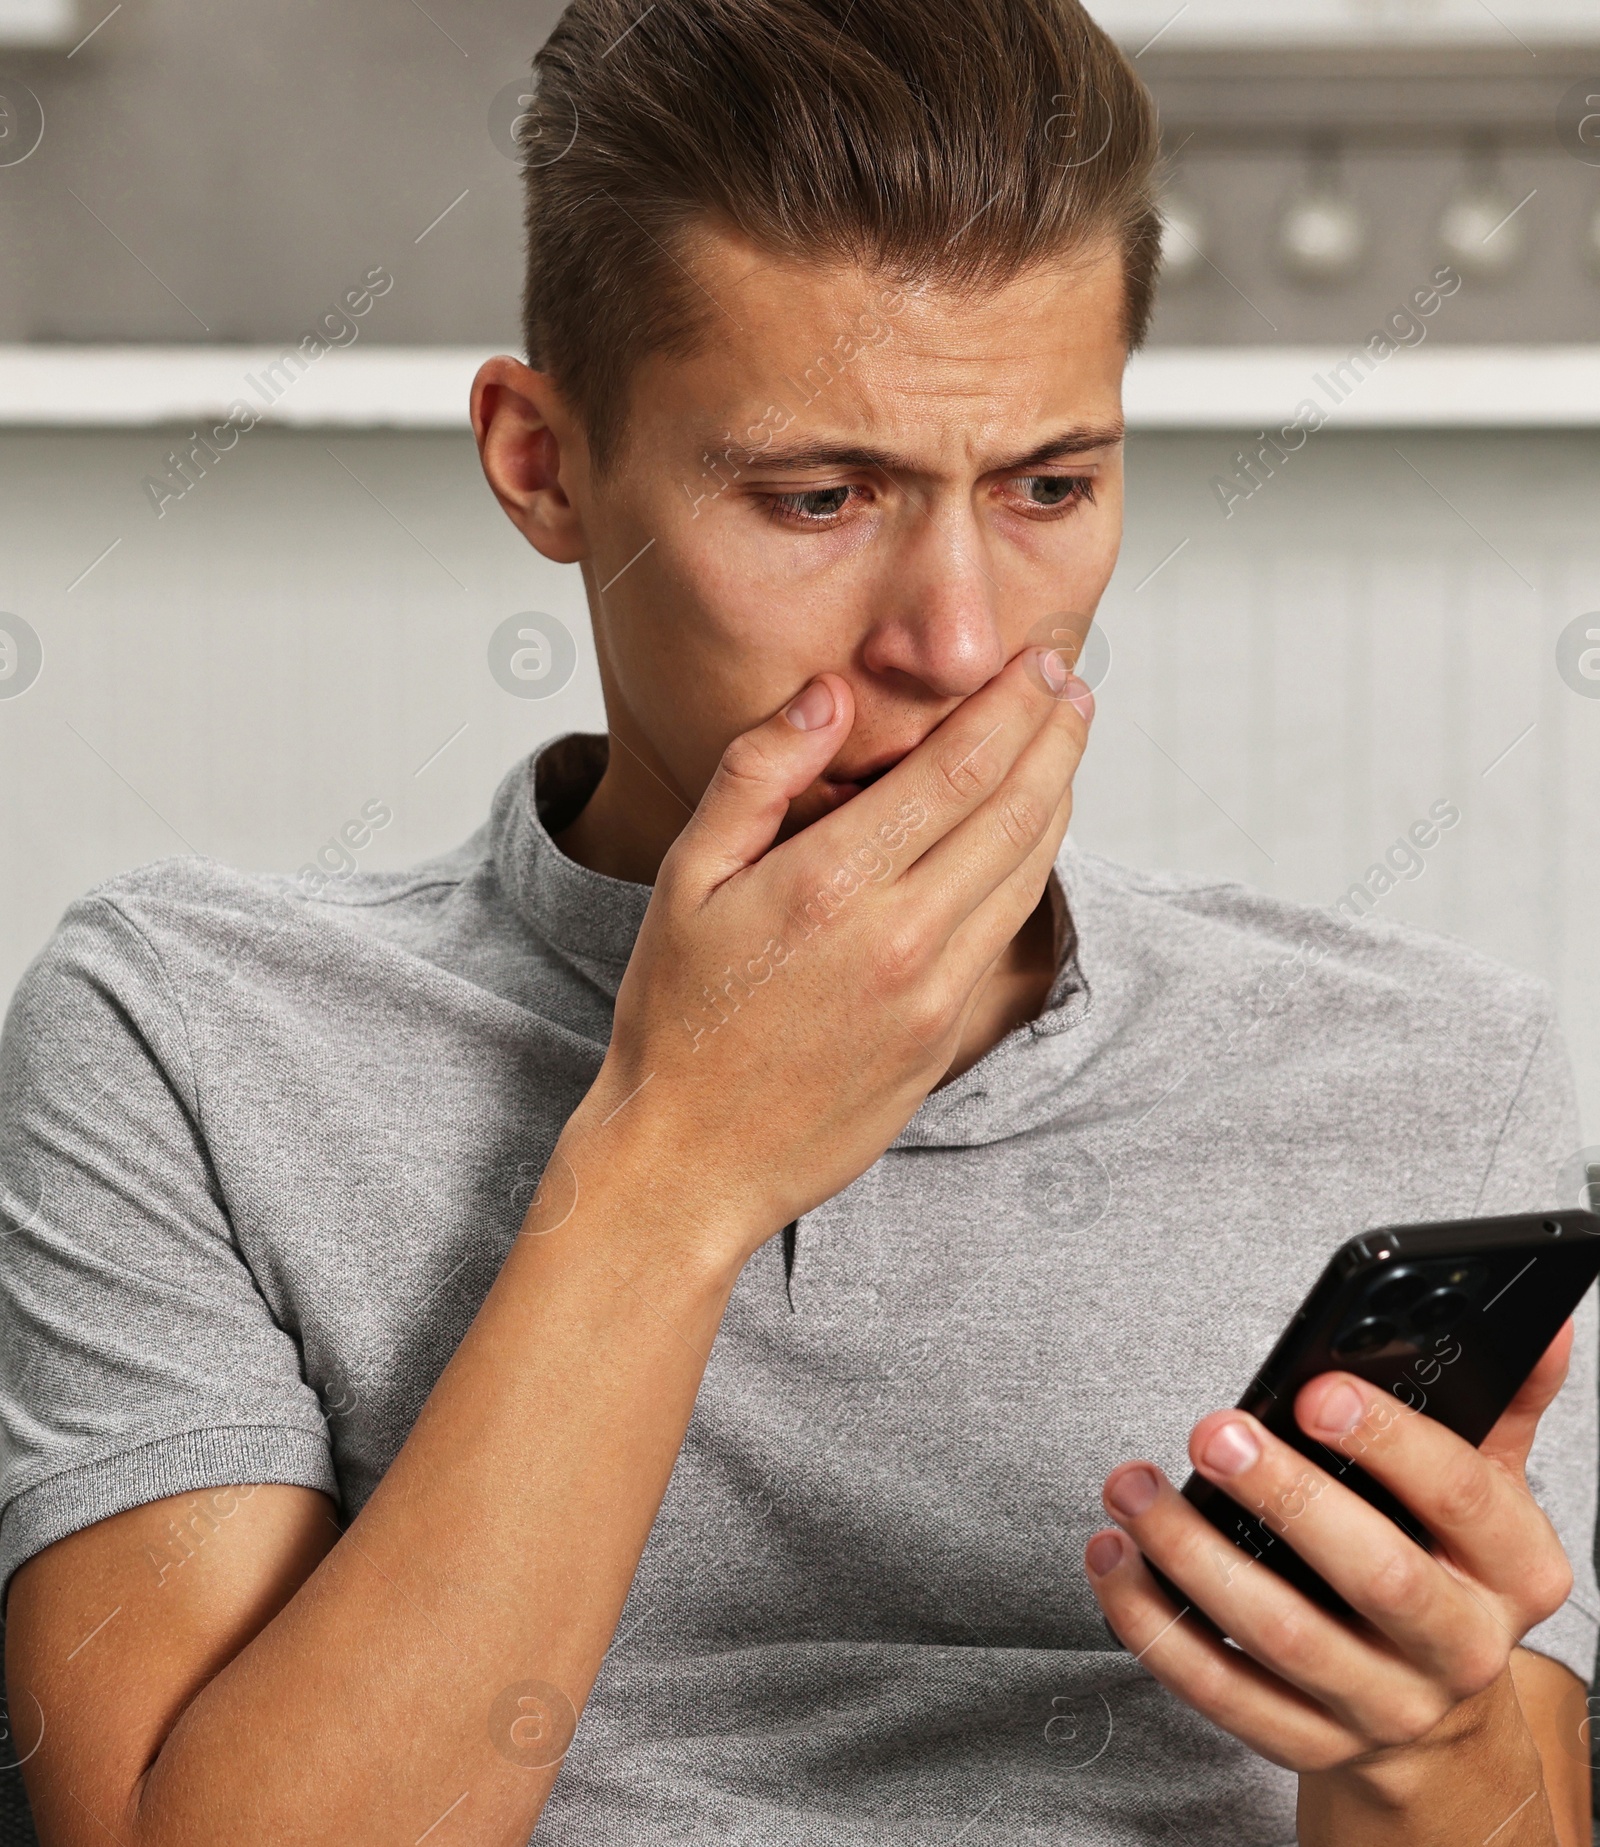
x=946, y=141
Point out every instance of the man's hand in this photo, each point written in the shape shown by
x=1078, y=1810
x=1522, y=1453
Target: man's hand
x=1405, y=1727
x=788, y=1007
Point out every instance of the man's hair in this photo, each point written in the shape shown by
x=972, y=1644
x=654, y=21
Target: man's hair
x=953, y=142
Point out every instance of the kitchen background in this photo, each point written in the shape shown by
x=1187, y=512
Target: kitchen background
x=1305, y=647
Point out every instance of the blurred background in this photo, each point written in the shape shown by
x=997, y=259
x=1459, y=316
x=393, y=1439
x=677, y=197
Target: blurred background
x=1327, y=620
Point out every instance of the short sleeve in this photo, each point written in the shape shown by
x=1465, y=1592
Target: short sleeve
x=1537, y=1138
x=138, y=1357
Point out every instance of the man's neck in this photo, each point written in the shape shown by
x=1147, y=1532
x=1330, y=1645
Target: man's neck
x=627, y=824
x=1015, y=990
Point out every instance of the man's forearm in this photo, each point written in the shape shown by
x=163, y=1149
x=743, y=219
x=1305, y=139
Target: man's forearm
x=1480, y=1779
x=497, y=1550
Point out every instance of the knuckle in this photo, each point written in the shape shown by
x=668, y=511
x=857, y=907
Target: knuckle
x=926, y=1016
x=925, y=1007
x=1466, y=1491
x=1288, y=1641
x=1026, y=882
x=897, y=955
x=1400, y=1586
x=1413, y=1715
x=961, y=770
x=1022, y=819
x=1547, y=1585
x=745, y=760
x=1479, y=1665
x=1319, y=1757
x=818, y=895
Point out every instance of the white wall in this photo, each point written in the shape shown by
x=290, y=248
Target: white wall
x=1356, y=642
x=1238, y=22
x=1287, y=694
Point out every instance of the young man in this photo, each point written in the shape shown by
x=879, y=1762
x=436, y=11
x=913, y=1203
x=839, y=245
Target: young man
x=700, y=1257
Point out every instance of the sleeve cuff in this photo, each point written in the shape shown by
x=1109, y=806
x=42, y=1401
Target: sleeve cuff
x=232, y=1457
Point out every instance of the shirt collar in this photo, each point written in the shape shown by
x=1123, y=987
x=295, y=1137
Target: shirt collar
x=591, y=920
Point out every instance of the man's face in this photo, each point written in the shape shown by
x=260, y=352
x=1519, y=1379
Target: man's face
x=902, y=487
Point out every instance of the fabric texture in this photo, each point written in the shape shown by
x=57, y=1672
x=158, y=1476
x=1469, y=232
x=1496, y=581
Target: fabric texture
x=263, y=1153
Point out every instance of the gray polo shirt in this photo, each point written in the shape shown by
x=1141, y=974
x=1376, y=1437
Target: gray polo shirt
x=262, y=1153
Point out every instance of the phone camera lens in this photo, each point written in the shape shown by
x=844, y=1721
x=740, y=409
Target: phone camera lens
x=1553, y=1226
x=1395, y=1294
x=1437, y=1310
x=1365, y=1336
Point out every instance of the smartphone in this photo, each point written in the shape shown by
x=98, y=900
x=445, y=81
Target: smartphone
x=1450, y=1318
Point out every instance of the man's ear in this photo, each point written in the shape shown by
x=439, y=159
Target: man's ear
x=532, y=450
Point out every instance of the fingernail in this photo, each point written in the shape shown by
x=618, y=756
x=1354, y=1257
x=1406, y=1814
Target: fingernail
x=1079, y=697
x=1134, y=1492
x=1231, y=1449
x=813, y=709
x=1103, y=1553
x=1054, y=668
x=1340, y=1410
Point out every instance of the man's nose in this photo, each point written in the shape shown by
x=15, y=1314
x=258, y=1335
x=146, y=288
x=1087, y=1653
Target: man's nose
x=939, y=620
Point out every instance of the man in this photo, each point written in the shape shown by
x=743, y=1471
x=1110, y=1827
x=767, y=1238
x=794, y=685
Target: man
x=688, y=1260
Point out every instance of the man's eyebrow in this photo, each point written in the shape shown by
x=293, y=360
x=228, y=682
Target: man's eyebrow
x=1069, y=442
x=821, y=453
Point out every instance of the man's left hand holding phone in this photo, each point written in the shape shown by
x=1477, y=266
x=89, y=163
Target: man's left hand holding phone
x=1428, y=1723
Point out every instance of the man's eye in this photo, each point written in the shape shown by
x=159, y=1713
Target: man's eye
x=820, y=503
x=1055, y=490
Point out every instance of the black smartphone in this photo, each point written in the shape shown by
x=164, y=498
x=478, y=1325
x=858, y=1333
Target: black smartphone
x=1450, y=1318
